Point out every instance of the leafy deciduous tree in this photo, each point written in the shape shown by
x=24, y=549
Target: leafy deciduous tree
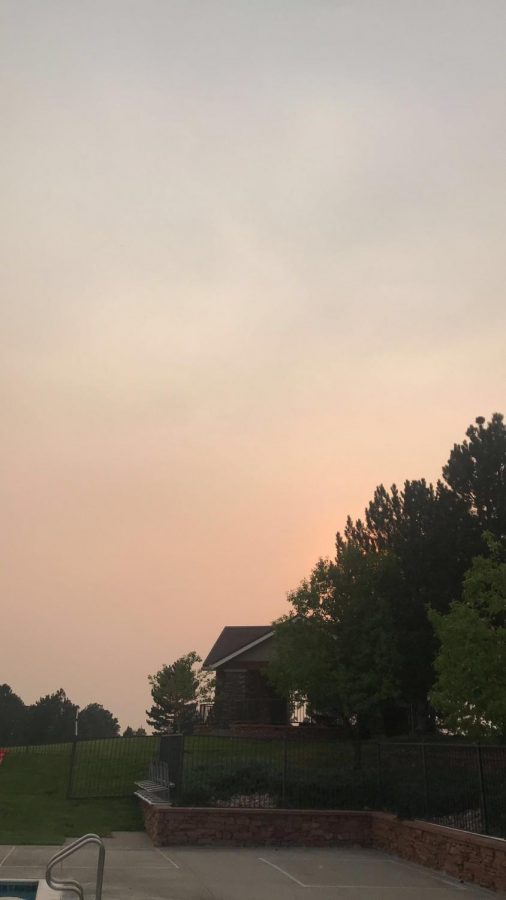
x=470, y=691
x=339, y=649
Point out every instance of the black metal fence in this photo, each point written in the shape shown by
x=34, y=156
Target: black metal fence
x=110, y=768
x=102, y=768
x=462, y=786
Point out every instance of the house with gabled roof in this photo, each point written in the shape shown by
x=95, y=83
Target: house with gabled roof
x=240, y=658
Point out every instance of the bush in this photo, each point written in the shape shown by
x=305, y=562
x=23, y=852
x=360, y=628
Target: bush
x=206, y=786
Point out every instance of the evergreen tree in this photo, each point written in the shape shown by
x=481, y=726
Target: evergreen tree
x=476, y=473
x=130, y=732
x=96, y=722
x=51, y=719
x=433, y=537
x=175, y=690
x=13, y=717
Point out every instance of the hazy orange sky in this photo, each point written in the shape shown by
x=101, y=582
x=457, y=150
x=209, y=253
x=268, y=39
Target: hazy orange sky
x=253, y=265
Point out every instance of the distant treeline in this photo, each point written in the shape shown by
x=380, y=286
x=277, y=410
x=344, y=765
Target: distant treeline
x=53, y=718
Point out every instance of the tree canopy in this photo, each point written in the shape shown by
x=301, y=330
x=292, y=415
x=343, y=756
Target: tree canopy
x=359, y=638
x=470, y=689
x=96, y=722
x=476, y=473
x=51, y=719
x=339, y=649
x=430, y=534
x=12, y=717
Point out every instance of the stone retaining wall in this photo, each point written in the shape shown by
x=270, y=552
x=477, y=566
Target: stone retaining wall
x=255, y=827
x=469, y=857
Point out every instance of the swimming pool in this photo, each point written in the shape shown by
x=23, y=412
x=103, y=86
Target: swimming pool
x=26, y=890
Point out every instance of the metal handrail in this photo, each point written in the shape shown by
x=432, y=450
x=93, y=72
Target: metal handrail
x=72, y=885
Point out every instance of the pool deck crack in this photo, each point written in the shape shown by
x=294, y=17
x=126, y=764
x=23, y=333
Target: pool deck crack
x=7, y=855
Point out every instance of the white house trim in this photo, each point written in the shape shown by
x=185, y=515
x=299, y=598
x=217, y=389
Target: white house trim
x=260, y=640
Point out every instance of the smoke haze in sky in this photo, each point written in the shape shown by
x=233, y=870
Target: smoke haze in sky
x=253, y=265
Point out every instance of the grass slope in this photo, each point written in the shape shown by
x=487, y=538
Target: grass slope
x=34, y=808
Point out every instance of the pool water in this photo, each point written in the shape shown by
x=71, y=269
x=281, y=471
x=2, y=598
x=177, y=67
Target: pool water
x=22, y=890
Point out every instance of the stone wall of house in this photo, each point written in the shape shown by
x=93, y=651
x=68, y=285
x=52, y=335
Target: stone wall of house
x=466, y=856
x=230, y=687
x=244, y=694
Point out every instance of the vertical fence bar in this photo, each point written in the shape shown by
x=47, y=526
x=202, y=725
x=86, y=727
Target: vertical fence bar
x=379, y=779
x=171, y=751
x=71, y=769
x=285, y=762
x=425, y=782
x=483, y=803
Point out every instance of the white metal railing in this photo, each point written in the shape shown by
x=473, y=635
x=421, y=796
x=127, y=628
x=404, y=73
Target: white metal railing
x=72, y=885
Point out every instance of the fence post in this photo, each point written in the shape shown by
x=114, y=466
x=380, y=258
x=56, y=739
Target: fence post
x=483, y=803
x=71, y=769
x=380, y=786
x=425, y=782
x=285, y=761
x=171, y=752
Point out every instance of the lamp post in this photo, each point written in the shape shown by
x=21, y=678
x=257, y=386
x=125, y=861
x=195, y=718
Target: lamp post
x=76, y=724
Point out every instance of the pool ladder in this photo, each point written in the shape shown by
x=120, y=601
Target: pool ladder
x=71, y=885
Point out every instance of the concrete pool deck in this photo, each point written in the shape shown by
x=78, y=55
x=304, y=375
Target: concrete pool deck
x=135, y=870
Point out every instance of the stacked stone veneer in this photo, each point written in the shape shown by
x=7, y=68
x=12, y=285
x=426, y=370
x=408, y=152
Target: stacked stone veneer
x=466, y=856
x=244, y=694
x=255, y=827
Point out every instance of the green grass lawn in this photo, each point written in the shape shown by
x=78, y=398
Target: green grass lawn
x=109, y=768
x=34, y=808
x=297, y=755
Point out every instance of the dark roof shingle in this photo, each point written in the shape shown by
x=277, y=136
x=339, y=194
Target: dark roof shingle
x=232, y=639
